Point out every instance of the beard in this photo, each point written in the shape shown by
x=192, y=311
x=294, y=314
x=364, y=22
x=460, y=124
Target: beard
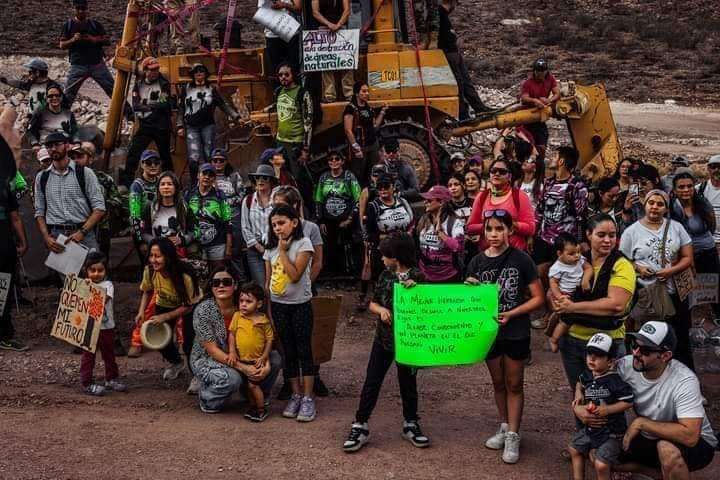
x=638, y=365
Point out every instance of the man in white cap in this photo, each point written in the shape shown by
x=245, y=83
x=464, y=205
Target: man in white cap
x=671, y=433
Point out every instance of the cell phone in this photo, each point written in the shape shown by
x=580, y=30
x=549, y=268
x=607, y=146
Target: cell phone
x=634, y=189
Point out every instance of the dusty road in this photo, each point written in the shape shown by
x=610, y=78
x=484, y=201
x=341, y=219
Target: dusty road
x=51, y=431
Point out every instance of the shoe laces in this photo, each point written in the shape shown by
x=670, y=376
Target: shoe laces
x=355, y=433
x=414, y=427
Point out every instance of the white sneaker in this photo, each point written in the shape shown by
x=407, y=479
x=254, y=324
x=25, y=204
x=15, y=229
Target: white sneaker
x=359, y=436
x=194, y=386
x=511, y=454
x=173, y=371
x=497, y=441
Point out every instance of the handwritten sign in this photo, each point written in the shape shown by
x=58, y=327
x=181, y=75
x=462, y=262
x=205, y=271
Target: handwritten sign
x=438, y=325
x=80, y=313
x=325, y=50
x=685, y=283
x=706, y=290
x=280, y=22
x=326, y=312
x=4, y=289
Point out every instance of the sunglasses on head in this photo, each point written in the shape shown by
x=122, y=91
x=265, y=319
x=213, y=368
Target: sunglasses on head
x=222, y=282
x=500, y=213
x=499, y=171
x=645, y=350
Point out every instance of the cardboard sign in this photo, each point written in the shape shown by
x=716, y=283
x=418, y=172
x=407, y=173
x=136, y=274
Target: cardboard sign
x=4, y=289
x=326, y=312
x=706, y=291
x=279, y=22
x=437, y=325
x=80, y=313
x=685, y=283
x=324, y=50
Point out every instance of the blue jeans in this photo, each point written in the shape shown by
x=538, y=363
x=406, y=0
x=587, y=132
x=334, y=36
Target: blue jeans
x=218, y=384
x=89, y=240
x=199, y=142
x=79, y=73
x=256, y=265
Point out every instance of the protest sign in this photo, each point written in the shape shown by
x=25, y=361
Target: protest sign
x=80, y=312
x=326, y=312
x=325, y=50
x=685, y=283
x=447, y=324
x=706, y=290
x=280, y=22
x=4, y=289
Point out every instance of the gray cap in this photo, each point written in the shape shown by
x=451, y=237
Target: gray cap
x=681, y=160
x=37, y=64
x=715, y=159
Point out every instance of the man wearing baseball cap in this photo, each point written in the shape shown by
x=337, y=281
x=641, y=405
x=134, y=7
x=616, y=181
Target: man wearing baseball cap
x=671, y=432
x=678, y=161
x=35, y=83
x=406, y=182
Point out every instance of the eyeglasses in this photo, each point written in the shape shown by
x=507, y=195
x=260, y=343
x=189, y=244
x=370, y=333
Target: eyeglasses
x=645, y=350
x=222, y=282
x=218, y=160
x=385, y=186
x=154, y=162
x=208, y=173
x=263, y=178
x=282, y=75
x=499, y=171
x=53, y=95
x=499, y=213
x=334, y=159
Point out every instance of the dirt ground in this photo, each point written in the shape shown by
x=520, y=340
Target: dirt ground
x=52, y=431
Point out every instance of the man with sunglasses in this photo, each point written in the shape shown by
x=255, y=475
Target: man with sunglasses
x=35, y=83
x=406, y=182
x=52, y=116
x=62, y=204
x=84, y=39
x=152, y=103
x=672, y=432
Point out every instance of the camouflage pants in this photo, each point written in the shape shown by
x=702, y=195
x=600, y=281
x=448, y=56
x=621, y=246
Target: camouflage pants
x=425, y=16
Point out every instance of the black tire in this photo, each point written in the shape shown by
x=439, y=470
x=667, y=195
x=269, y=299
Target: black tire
x=414, y=149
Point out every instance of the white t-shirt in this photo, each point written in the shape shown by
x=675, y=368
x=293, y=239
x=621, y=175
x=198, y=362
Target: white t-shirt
x=569, y=276
x=642, y=246
x=108, y=320
x=712, y=195
x=282, y=289
x=676, y=394
x=528, y=189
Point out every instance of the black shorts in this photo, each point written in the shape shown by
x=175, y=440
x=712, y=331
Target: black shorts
x=542, y=252
x=644, y=451
x=539, y=132
x=515, y=349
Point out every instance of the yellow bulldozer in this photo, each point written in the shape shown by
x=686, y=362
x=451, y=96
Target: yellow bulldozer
x=411, y=83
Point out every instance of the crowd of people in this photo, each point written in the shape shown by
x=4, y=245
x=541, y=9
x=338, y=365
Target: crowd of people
x=232, y=264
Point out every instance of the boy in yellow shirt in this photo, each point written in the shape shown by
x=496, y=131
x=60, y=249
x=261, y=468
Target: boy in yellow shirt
x=250, y=338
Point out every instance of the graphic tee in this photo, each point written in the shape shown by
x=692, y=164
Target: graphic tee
x=606, y=389
x=282, y=289
x=513, y=271
x=289, y=115
x=337, y=196
x=212, y=216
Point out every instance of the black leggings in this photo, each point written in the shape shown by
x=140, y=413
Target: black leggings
x=378, y=365
x=294, y=324
x=170, y=351
x=681, y=323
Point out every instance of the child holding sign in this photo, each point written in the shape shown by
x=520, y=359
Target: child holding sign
x=514, y=272
x=399, y=258
x=95, y=269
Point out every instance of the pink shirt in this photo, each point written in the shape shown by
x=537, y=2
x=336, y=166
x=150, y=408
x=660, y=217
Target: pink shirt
x=523, y=214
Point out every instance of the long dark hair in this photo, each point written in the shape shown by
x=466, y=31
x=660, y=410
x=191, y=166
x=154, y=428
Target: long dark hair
x=175, y=268
x=446, y=210
x=699, y=204
x=285, y=211
x=356, y=89
x=604, y=185
x=178, y=200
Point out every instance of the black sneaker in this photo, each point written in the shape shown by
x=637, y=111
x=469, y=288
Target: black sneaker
x=319, y=387
x=412, y=433
x=13, y=345
x=359, y=436
x=285, y=392
x=255, y=415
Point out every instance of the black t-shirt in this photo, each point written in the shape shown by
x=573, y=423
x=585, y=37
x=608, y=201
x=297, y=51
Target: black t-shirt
x=447, y=39
x=84, y=52
x=516, y=271
x=363, y=123
x=606, y=389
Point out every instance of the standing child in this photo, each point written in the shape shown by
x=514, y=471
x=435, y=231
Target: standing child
x=168, y=281
x=399, y=258
x=601, y=391
x=250, y=338
x=95, y=269
x=569, y=272
x=288, y=261
x=515, y=274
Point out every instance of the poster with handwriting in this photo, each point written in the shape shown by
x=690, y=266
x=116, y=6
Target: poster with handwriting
x=442, y=325
x=324, y=50
x=80, y=312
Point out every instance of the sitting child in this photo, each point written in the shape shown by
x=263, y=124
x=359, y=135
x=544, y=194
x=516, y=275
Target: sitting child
x=602, y=392
x=569, y=272
x=250, y=338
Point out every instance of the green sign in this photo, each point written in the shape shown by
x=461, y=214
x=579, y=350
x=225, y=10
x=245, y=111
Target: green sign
x=448, y=324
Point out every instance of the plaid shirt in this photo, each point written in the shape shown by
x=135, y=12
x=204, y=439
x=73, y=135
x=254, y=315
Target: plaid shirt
x=66, y=203
x=254, y=221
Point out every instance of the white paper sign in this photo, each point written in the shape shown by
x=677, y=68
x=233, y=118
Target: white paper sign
x=325, y=50
x=706, y=291
x=279, y=22
x=71, y=260
x=4, y=289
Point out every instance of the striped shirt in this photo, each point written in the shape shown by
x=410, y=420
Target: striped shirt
x=66, y=203
x=254, y=221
